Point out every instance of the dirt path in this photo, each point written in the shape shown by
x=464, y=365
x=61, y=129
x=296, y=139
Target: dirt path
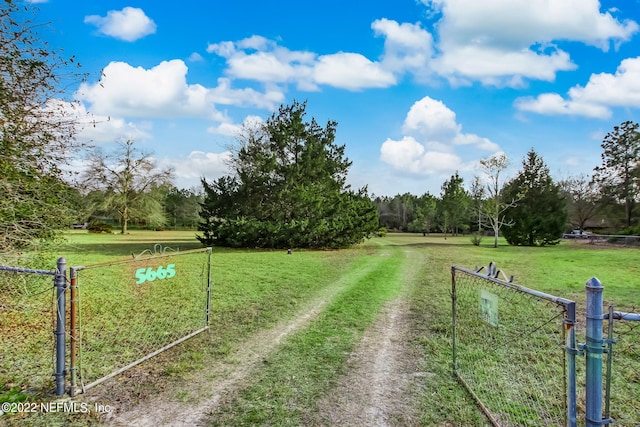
x=382, y=386
x=204, y=393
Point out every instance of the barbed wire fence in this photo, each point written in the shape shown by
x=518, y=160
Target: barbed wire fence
x=509, y=348
x=132, y=310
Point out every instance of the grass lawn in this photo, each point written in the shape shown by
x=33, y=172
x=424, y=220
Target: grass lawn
x=254, y=289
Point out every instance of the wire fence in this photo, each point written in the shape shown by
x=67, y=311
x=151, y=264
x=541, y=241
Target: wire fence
x=612, y=239
x=130, y=311
x=623, y=366
x=509, y=348
x=27, y=322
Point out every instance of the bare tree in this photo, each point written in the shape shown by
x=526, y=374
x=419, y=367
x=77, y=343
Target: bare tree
x=582, y=194
x=477, y=193
x=495, y=207
x=128, y=178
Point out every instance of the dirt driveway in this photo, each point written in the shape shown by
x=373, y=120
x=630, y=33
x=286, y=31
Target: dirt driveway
x=381, y=387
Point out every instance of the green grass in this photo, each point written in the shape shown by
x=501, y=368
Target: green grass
x=308, y=365
x=251, y=290
x=254, y=289
x=562, y=270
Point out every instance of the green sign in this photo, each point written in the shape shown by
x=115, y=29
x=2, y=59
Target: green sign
x=489, y=307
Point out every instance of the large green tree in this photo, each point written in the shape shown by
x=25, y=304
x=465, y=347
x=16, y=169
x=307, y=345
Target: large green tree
x=182, y=207
x=454, y=205
x=287, y=189
x=130, y=184
x=619, y=175
x=540, y=216
x=424, y=214
x=37, y=129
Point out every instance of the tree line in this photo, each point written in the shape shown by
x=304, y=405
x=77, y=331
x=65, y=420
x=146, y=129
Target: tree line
x=532, y=208
x=529, y=209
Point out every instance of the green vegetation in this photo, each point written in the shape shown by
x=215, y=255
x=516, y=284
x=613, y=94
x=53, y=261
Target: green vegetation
x=306, y=367
x=454, y=206
x=128, y=185
x=36, y=135
x=287, y=190
x=309, y=363
x=618, y=177
x=99, y=227
x=539, y=216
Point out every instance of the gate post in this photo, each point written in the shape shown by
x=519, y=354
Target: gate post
x=60, y=281
x=570, y=351
x=73, y=326
x=208, y=287
x=594, y=348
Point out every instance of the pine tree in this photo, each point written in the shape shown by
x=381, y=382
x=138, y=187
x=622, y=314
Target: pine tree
x=540, y=216
x=287, y=189
x=619, y=175
x=454, y=205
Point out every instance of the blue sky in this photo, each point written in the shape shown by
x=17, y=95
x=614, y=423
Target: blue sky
x=420, y=88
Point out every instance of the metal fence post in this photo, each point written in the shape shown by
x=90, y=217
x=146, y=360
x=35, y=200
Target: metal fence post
x=73, y=326
x=454, y=365
x=570, y=351
x=593, y=350
x=208, y=286
x=60, y=284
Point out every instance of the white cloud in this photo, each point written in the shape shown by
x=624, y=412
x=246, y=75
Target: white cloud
x=128, y=24
x=351, y=71
x=262, y=60
x=97, y=129
x=163, y=92
x=196, y=57
x=225, y=94
x=494, y=42
x=407, y=47
x=432, y=142
x=197, y=164
x=554, y=104
x=602, y=92
x=500, y=67
x=408, y=155
x=104, y=130
x=518, y=23
x=233, y=129
x=503, y=42
x=432, y=119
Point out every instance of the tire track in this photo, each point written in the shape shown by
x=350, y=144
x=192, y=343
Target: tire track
x=382, y=385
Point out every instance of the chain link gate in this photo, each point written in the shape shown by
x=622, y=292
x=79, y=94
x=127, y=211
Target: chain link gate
x=125, y=312
x=513, y=349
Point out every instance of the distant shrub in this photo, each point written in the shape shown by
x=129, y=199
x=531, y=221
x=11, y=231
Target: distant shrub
x=630, y=231
x=382, y=231
x=99, y=227
x=476, y=238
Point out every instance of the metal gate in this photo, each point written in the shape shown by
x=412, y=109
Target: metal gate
x=515, y=351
